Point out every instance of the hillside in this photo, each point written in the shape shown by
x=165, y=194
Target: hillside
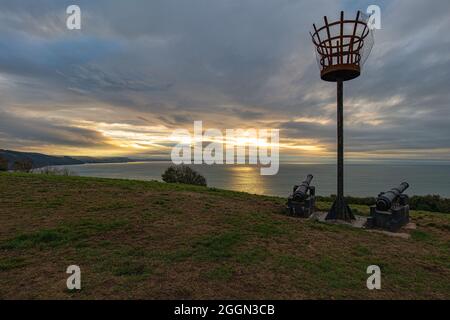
x=135, y=239
x=40, y=160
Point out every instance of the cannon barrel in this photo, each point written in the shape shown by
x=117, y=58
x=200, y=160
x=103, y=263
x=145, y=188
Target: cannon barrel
x=385, y=200
x=301, y=192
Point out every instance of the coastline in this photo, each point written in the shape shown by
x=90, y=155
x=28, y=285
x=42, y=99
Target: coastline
x=362, y=180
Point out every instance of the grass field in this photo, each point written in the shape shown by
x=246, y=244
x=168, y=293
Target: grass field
x=150, y=240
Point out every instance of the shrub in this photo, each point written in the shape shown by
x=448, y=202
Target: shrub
x=432, y=203
x=52, y=171
x=23, y=165
x=3, y=164
x=183, y=174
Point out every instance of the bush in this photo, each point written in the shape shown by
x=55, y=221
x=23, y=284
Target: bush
x=183, y=174
x=51, y=171
x=432, y=203
x=25, y=165
x=3, y=164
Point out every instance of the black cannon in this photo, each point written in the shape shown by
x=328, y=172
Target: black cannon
x=391, y=210
x=303, y=199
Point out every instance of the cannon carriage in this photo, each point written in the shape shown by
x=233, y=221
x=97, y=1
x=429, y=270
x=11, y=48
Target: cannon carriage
x=391, y=211
x=302, y=201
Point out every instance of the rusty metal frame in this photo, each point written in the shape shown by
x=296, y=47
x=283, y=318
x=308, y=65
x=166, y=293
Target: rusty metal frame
x=340, y=55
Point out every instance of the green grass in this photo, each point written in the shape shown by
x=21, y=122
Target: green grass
x=131, y=268
x=421, y=236
x=7, y=264
x=269, y=229
x=252, y=255
x=288, y=263
x=221, y=273
x=67, y=234
x=150, y=240
x=217, y=247
x=362, y=251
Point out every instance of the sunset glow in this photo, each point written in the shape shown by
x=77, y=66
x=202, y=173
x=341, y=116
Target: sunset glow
x=110, y=90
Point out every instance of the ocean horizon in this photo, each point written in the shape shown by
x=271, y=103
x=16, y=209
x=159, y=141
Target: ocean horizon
x=361, y=180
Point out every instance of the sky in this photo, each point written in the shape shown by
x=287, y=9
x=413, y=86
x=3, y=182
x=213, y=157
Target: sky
x=138, y=70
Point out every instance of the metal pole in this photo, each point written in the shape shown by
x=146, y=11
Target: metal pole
x=340, y=150
x=340, y=210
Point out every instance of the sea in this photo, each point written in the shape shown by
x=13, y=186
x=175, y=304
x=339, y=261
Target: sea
x=361, y=180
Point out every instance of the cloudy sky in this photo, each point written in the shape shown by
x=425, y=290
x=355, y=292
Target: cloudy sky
x=137, y=70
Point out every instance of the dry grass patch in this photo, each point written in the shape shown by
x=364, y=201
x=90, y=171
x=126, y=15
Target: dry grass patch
x=150, y=240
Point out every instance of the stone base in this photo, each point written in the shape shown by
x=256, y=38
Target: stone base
x=392, y=220
x=360, y=222
x=302, y=209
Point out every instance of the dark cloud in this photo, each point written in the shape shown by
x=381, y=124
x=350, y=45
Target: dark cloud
x=34, y=131
x=235, y=63
x=90, y=78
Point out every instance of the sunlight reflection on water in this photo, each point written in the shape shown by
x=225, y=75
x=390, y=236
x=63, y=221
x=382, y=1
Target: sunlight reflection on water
x=360, y=179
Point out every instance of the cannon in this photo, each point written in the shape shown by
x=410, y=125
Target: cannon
x=302, y=201
x=385, y=200
x=391, y=211
x=301, y=192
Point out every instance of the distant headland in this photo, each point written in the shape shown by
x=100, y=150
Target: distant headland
x=40, y=160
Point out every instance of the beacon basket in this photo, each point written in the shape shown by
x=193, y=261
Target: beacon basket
x=342, y=47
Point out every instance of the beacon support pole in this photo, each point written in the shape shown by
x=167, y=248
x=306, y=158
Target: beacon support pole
x=340, y=210
x=342, y=47
x=340, y=148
